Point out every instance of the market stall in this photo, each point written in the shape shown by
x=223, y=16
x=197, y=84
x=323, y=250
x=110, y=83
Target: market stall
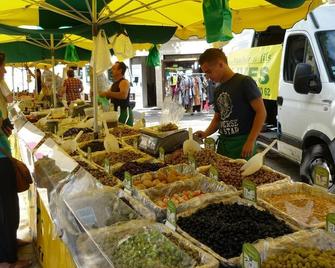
x=132, y=208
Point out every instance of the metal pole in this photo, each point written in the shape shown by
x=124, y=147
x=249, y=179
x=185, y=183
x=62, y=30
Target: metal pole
x=94, y=35
x=36, y=83
x=13, y=83
x=53, y=69
x=22, y=78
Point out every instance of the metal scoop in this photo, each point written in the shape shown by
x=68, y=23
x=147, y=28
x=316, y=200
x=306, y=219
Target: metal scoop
x=256, y=162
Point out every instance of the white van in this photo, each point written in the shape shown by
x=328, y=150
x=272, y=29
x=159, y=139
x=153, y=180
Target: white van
x=303, y=116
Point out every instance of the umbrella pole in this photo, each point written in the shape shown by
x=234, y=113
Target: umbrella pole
x=53, y=69
x=94, y=76
x=13, y=83
x=36, y=83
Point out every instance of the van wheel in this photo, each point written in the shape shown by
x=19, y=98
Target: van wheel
x=317, y=155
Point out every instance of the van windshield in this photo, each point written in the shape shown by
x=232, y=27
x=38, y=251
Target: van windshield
x=327, y=43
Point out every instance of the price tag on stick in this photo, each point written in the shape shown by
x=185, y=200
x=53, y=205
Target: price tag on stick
x=128, y=183
x=161, y=154
x=135, y=143
x=213, y=173
x=191, y=160
x=249, y=190
x=210, y=144
x=330, y=223
x=321, y=176
x=171, y=215
x=89, y=153
x=107, y=166
x=251, y=257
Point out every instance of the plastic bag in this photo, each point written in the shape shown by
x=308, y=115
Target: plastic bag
x=103, y=83
x=101, y=54
x=218, y=20
x=172, y=112
x=71, y=53
x=153, y=59
x=122, y=46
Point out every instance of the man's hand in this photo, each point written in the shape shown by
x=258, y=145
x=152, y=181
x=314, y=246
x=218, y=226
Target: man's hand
x=248, y=149
x=200, y=134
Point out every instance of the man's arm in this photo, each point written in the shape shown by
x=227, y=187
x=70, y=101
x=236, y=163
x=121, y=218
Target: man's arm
x=122, y=95
x=260, y=116
x=29, y=71
x=212, y=128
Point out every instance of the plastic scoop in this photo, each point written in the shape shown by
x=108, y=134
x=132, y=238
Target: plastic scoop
x=140, y=123
x=256, y=162
x=70, y=146
x=190, y=146
x=110, y=142
x=43, y=120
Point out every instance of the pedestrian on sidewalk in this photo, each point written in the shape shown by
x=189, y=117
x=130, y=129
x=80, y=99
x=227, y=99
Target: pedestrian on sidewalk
x=239, y=109
x=9, y=201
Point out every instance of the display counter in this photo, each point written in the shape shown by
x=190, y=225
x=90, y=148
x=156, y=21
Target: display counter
x=79, y=218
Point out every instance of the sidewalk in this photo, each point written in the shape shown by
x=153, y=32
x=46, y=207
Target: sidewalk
x=26, y=252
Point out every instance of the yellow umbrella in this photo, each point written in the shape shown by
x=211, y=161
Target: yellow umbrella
x=185, y=14
x=11, y=38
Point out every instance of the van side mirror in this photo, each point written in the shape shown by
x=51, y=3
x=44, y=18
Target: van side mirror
x=305, y=81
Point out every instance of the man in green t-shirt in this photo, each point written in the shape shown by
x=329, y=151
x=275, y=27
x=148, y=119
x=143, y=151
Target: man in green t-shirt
x=239, y=109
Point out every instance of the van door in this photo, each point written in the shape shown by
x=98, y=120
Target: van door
x=299, y=113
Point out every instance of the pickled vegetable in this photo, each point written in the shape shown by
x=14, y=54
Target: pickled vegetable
x=135, y=168
x=302, y=257
x=75, y=130
x=120, y=157
x=149, y=249
x=100, y=175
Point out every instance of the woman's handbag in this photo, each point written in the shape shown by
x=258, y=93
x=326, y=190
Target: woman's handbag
x=22, y=173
